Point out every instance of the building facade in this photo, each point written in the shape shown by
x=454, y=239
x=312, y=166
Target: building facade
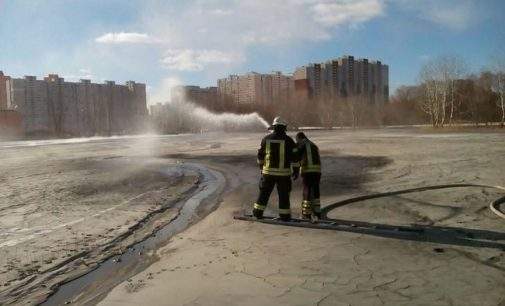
x=229, y=88
x=256, y=88
x=332, y=80
x=3, y=91
x=54, y=107
x=344, y=77
x=11, y=124
x=204, y=96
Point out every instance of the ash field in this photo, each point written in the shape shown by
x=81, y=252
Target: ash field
x=71, y=210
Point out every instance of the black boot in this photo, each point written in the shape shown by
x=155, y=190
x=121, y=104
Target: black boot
x=285, y=217
x=258, y=213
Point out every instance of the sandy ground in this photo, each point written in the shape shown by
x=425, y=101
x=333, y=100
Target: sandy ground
x=222, y=261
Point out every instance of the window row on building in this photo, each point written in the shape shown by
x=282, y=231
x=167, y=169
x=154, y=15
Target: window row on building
x=257, y=88
x=54, y=107
x=345, y=77
x=332, y=80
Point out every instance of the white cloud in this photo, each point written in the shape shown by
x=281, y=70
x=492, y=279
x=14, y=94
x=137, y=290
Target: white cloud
x=197, y=60
x=85, y=71
x=126, y=38
x=215, y=56
x=424, y=57
x=336, y=13
x=453, y=14
x=215, y=37
x=238, y=24
x=453, y=17
x=222, y=12
x=183, y=60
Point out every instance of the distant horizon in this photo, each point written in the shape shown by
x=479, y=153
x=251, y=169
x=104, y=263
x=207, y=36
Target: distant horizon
x=285, y=72
x=197, y=42
x=40, y=77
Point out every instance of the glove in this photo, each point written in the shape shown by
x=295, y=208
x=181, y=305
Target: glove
x=295, y=175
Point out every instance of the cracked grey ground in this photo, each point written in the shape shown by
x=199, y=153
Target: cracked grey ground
x=221, y=261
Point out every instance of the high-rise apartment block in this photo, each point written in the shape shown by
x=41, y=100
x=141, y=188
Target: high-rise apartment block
x=256, y=88
x=54, y=107
x=344, y=77
x=229, y=87
x=332, y=80
x=206, y=96
x=282, y=87
x=3, y=91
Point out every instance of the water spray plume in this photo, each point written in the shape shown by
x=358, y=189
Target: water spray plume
x=229, y=120
x=183, y=115
x=187, y=117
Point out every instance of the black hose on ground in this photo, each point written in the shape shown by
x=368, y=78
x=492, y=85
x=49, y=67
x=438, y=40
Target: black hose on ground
x=494, y=206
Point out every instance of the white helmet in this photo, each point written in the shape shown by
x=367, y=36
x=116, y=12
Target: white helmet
x=279, y=121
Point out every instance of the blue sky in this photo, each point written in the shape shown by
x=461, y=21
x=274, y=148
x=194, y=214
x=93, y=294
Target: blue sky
x=195, y=42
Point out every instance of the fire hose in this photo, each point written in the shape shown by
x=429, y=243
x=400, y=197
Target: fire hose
x=494, y=206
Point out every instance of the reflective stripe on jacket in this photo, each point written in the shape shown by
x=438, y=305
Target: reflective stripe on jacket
x=277, y=154
x=310, y=161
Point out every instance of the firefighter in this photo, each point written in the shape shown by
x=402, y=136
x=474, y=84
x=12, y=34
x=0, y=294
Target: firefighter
x=310, y=168
x=277, y=161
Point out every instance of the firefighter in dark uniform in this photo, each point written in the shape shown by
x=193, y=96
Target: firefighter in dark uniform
x=277, y=158
x=310, y=168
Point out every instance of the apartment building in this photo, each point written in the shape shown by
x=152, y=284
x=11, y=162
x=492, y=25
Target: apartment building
x=256, y=88
x=282, y=86
x=229, y=88
x=3, y=91
x=344, y=77
x=206, y=96
x=54, y=107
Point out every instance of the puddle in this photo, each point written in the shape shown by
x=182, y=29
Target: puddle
x=90, y=288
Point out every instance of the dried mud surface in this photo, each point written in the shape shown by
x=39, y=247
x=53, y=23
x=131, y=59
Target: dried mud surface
x=65, y=208
x=222, y=261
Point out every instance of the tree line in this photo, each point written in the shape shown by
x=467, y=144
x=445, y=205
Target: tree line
x=446, y=94
x=300, y=110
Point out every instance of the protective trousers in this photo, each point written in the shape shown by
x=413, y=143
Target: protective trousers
x=267, y=184
x=311, y=203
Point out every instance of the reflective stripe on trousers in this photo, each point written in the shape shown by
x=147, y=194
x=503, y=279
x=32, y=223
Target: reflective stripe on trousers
x=267, y=185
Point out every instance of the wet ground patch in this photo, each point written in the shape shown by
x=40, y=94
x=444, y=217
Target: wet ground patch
x=349, y=172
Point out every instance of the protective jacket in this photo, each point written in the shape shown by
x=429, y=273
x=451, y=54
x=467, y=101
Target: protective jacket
x=278, y=155
x=308, y=154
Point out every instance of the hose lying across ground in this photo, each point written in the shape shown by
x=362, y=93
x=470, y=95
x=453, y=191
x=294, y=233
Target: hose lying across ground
x=494, y=206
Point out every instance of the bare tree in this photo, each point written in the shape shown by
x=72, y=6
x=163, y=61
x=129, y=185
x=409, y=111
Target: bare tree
x=498, y=85
x=452, y=68
x=326, y=109
x=431, y=102
x=357, y=111
x=439, y=79
x=351, y=112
